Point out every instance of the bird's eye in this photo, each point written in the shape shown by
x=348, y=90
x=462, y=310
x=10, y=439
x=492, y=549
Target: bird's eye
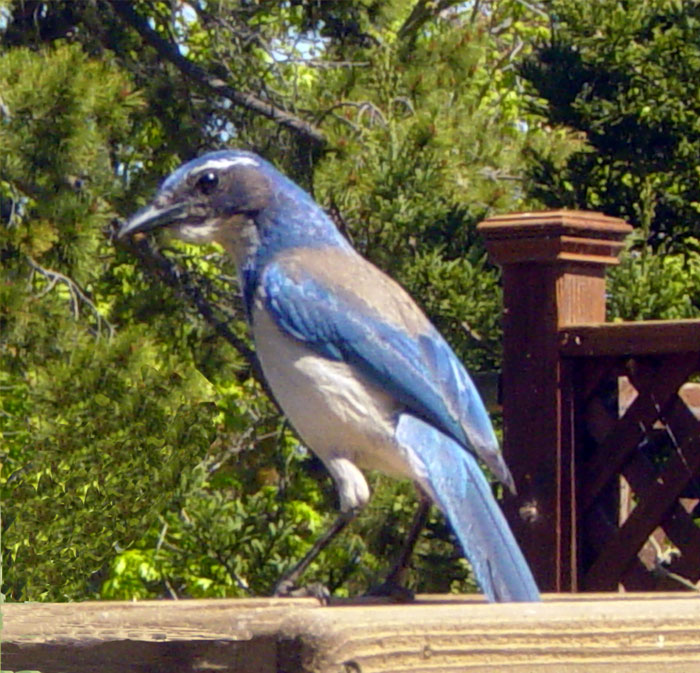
x=208, y=182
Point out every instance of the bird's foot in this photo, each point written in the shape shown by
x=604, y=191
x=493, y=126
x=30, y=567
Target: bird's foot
x=288, y=589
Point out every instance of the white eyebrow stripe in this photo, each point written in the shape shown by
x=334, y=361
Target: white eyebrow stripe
x=224, y=163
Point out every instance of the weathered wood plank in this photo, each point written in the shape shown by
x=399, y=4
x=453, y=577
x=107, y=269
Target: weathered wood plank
x=625, y=338
x=624, y=633
x=146, y=636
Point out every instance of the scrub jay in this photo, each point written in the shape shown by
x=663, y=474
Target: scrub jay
x=361, y=373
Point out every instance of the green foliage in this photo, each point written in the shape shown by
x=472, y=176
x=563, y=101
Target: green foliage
x=138, y=419
x=216, y=540
x=139, y=457
x=65, y=115
x=623, y=78
x=659, y=285
x=626, y=76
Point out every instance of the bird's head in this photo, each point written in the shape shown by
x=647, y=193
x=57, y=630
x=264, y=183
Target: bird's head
x=208, y=198
x=238, y=200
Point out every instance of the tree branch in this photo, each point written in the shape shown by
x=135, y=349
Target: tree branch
x=170, y=52
x=174, y=277
x=422, y=11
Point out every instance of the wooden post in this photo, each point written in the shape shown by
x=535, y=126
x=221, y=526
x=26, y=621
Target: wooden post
x=553, y=275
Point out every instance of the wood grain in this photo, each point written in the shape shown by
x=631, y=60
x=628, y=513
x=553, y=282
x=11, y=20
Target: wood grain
x=637, y=633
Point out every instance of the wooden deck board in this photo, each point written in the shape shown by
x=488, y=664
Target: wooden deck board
x=606, y=632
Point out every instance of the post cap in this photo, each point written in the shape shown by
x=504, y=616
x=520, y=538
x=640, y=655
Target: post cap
x=554, y=235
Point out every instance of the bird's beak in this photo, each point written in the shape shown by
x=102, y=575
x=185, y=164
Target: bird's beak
x=152, y=217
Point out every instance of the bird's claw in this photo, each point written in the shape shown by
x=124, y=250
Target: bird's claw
x=287, y=589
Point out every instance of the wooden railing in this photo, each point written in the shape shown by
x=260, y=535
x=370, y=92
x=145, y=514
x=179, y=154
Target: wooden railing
x=598, y=423
x=634, y=633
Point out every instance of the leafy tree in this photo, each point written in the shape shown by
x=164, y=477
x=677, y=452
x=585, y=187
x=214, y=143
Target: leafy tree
x=140, y=456
x=624, y=75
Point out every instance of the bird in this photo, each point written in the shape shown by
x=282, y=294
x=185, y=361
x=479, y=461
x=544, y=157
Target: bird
x=365, y=379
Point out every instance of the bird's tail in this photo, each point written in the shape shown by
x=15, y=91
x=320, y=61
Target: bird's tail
x=453, y=478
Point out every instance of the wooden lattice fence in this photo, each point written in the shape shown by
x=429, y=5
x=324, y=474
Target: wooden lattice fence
x=599, y=433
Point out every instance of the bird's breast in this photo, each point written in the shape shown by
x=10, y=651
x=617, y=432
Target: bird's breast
x=335, y=410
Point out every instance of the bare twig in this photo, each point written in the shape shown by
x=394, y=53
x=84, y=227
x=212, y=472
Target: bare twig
x=337, y=216
x=169, y=587
x=363, y=107
x=533, y=8
x=354, y=127
x=318, y=63
x=170, y=52
x=161, y=537
x=77, y=295
x=475, y=11
x=406, y=101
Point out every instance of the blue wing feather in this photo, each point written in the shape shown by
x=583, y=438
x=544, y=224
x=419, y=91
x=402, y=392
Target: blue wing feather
x=458, y=486
x=421, y=371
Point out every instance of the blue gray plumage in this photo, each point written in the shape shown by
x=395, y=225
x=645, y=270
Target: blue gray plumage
x=363, y=376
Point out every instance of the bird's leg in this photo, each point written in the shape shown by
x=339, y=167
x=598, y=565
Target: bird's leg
x=397, y=573
x=285, y=585
x=393, y=584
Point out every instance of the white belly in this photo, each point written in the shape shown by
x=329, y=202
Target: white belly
x=341, y=416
